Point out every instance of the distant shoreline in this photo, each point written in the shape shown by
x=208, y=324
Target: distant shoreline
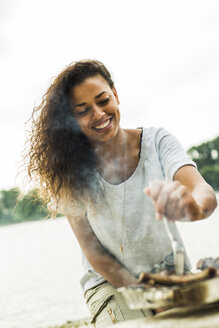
x=5, y=224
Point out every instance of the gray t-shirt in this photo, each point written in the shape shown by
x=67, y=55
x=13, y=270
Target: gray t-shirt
x=145, y=241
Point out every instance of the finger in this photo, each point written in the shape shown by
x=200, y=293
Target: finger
x=191, y=209
x=147, y=191
x=175, y=210
x=155, y=189
x=186, y=205
x=164, y=201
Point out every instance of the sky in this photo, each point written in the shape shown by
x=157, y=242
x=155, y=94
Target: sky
x=163, y=55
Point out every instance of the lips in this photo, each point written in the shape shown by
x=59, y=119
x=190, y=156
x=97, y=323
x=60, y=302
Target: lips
x=103, y=125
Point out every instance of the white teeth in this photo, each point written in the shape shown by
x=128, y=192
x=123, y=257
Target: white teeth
x=102, y=126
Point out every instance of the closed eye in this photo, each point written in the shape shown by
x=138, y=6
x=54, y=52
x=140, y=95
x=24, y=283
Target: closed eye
x=82, y=112
x=104, y=101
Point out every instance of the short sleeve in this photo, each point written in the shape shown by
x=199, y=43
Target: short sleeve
x=171, y=154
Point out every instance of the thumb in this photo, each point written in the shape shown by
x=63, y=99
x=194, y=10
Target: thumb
x=147, y=191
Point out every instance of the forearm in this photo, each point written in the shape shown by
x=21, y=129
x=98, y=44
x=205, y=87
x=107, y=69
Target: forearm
x=205, y=197
x=110, y=268
x=102, y=261
x=188, y=198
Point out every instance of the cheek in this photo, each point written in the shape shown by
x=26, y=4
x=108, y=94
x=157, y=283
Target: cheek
x=118, y=112
x=114, y=109
x=84, y=124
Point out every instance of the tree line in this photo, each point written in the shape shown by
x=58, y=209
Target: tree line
x=16, y=207
x=206, y=157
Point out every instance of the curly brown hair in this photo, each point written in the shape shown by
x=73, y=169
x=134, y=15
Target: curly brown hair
x=59, y=159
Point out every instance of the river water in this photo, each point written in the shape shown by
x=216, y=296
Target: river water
x=40, y=268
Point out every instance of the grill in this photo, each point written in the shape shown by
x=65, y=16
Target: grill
x=196, y=293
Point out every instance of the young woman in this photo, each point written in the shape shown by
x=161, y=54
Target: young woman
x=95, y=173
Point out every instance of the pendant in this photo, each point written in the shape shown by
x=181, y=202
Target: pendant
x=121, y=248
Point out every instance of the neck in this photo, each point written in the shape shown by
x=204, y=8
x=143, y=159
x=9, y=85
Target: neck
x=111, y=149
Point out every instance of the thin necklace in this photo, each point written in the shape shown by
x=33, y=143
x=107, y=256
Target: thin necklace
x=124, y=201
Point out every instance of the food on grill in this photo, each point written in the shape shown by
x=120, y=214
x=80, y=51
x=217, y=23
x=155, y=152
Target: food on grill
x=208, y=262
x=152, y=279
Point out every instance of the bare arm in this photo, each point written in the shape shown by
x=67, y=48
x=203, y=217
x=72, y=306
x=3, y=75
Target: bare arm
x=202, y=192
x=97, y=256
x=189, y=196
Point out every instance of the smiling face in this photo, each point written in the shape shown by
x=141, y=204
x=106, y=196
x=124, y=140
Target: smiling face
x=95, y=107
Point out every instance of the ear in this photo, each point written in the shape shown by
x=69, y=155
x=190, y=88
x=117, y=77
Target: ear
x=116, y=95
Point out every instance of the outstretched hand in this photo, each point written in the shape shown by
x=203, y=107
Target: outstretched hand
x=173, y=200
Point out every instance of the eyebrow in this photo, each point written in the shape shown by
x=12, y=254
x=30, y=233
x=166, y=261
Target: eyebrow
x=98, y=96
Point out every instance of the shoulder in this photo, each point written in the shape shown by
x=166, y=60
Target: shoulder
x=133, y=133
x=133, y=137
x=66, y=206
x=149, y=136
x=145, y=135
x=157, y=136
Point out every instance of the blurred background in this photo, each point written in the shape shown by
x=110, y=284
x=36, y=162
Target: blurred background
x=164, y=57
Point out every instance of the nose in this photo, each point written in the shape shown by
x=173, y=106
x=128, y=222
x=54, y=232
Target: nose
x=98, y=113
